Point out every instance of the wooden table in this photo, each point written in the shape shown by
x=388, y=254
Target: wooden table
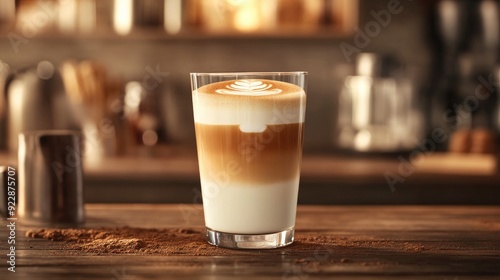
x=342, y=242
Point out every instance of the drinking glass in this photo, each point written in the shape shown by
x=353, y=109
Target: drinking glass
x=249, y=135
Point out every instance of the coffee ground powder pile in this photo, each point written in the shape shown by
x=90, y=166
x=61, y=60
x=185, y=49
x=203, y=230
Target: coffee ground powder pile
x=126, y=240
x=190, y=241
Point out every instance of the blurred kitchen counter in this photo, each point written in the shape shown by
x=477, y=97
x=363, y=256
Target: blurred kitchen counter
x=172, y=176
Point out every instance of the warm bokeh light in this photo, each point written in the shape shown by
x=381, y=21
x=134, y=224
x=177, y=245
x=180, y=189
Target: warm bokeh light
x=173, y=16
x=123, y=16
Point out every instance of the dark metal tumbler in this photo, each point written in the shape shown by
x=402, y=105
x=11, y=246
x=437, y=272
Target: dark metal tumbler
x=4, y=191
x=50, y=177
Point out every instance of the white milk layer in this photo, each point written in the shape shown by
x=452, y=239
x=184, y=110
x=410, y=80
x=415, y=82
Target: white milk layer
x=253, y=109
x=245, y=209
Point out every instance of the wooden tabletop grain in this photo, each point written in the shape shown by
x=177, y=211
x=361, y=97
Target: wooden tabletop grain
x=332, y=242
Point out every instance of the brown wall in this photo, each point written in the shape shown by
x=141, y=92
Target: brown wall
x=321, y=56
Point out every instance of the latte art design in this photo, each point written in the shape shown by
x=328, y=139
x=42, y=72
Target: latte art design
x=249, y=87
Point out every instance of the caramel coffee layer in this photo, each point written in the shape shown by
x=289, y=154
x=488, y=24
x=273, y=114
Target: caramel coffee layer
x=228, y=155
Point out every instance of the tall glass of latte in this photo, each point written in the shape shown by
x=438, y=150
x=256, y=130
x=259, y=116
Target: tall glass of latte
x=249, y=134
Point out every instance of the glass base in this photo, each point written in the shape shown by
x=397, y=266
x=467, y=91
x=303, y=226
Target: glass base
x=250, y=241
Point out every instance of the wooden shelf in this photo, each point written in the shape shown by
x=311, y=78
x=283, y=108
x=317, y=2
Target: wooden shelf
x=182, y=164
x=160, y=35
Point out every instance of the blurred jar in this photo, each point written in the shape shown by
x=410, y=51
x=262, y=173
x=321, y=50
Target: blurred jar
x=238, y=15
x=130, y=14
x=310, y=15
x=7, y=13
x=141, y=112
x=35, y=17
x=68, y=17
x=95, y=98
x=378, y=111
x=148, y=14
x=77, y=16
x=301, y=14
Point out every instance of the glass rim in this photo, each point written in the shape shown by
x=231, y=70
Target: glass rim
x=281, y=73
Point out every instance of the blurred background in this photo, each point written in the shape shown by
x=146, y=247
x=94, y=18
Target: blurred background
x=402, y=105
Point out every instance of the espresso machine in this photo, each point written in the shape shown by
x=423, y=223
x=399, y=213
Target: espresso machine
x=379, y=110
x=36, y=100
x=464, y=39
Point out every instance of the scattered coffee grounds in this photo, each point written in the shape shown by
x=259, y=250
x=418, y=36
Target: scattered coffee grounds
x=191, y=241
x=126, y=240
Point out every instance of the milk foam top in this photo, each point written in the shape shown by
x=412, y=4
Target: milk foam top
x=251, y=103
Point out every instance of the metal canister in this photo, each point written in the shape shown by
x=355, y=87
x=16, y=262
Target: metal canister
x=50, y=177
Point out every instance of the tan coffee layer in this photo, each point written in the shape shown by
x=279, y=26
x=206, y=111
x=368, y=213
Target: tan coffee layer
x=271, y=156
